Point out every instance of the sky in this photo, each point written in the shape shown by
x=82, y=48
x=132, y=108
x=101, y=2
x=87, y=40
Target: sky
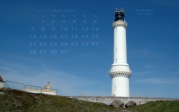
x=70, y=44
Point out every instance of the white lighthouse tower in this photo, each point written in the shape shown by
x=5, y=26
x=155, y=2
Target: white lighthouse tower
x=120, y=71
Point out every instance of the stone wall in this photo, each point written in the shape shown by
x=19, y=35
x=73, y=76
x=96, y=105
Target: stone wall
x=108, y=100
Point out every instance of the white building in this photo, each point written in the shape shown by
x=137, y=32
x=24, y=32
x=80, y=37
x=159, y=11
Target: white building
x=46, y=90
x=2, y=82
x=120, y=71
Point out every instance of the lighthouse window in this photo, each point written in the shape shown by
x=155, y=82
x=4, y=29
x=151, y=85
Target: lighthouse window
x=116, y=59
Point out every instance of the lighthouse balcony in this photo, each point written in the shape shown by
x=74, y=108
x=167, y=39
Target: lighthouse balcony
x=120, y=70
x=120, y=67
x=120, y=74
x=119, y=23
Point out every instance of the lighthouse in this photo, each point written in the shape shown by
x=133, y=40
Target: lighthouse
x=120, y=71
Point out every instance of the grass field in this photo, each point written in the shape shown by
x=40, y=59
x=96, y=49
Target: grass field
x=158, y=106
x=19, y=101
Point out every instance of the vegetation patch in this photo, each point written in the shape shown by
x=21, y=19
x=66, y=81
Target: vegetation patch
x=158, y=106
x=19, y=101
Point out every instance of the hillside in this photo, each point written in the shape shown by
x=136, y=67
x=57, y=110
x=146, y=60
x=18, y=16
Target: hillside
x=158, y=106
x=18, y=101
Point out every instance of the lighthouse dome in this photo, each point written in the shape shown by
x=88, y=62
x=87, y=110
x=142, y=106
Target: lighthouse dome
x=119, y=15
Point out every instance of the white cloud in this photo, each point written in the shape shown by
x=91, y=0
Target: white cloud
x=146, y=53
x=66, y=83
x=158, y=81
x=140, y=73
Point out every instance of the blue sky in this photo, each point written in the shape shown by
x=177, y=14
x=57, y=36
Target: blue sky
x=70, y=44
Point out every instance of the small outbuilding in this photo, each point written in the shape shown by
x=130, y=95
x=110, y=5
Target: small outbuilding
x=46, y=90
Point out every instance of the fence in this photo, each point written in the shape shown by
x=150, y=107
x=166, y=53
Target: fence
x=14, y=85
x=27, y=88
x=33, y=89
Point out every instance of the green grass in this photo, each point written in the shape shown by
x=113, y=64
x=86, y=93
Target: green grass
x=19, y=101
x=158, y=106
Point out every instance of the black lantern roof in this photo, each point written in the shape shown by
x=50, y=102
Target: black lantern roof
x=119, y=15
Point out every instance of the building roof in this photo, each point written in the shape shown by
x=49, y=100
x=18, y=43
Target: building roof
x=1, y=79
